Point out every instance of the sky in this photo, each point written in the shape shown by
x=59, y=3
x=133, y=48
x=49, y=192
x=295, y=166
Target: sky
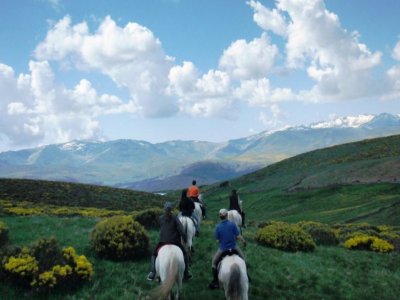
x=212, y=70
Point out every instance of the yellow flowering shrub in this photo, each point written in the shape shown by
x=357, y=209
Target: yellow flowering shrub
x=321, y=233
x=81, y=265
x=22, y=268
x=120, y=238
x=3, y=234
x=47, y=279
x=44, y=266
x=285, y=236
x=365, y=242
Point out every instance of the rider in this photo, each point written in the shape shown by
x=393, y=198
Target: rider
x=194, y=194
x=235, y=204
x=171, y=232
x=186, y=207
x=226, y=234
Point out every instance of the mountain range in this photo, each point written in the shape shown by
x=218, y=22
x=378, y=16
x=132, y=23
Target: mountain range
x=169, y=165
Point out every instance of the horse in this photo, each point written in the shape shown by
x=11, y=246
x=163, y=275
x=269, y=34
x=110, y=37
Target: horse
x=235, y=217
x=170, y=266
x=233, y=276
x=190, y=231
x=198, y=213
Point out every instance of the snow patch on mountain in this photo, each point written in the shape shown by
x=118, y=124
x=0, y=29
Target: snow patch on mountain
x=344, y=122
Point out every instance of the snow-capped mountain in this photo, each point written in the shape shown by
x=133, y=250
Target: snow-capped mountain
x=128, y=161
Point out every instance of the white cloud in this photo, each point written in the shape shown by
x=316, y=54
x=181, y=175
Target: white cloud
x=131, y=56
x=260, y=93
x=396, y=51
x=34, y=111
x=268, y=19
x=249, y=60
x=315, y=40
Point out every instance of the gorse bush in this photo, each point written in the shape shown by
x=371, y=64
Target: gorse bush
x=45, y=266
x=149, y=218
x=3, y=234
x=322, y=234
x=365, y=242
x=285, y=236
x=390, y=234
x=120, y=237
x=47, y=252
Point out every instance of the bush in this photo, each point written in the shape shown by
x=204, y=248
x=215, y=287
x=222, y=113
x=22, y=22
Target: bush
x=45, y=268
x=346, y=231
x=120, y=237
x=47, y=252
x=365, y=242
x=3, y=234
x=149, y=218
x=322, y=234
x=286, y=237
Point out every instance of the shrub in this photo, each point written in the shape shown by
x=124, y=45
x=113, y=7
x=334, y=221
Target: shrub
x=44, y=266
x=322, y=234
x=286, y=237
x=47, y=252
x=22, y=268
x=346, y=231
x=3, y=234
x=120, y=237
x=149, y=218
x=365, y=242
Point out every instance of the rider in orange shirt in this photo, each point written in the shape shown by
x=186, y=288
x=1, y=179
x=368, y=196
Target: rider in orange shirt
x=194, y=194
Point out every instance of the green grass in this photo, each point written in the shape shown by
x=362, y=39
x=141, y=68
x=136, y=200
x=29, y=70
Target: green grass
x=374, y=203
x=327, y=273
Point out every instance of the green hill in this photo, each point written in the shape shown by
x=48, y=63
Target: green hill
x=76, y=195
x=350, y=182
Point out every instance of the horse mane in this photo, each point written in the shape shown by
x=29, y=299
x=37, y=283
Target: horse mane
x=234, y=287
x=162, y=291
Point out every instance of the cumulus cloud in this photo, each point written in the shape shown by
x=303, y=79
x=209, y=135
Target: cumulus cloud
x=396, y=51
x=315, y=41
x=258, y=92
x=268, y=19
x=272, y=120
x=249, y=60
x=33, y=110
x=131, y=56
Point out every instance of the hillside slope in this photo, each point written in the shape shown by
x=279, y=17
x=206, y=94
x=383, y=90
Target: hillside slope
x=351, y=182
x=72, y=194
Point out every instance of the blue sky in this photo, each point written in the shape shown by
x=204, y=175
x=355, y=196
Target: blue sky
x=200, y=70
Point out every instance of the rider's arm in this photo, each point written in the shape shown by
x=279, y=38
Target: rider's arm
x=241, y=238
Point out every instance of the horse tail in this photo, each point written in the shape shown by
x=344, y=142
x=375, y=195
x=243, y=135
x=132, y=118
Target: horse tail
x=234, y=286
x=166, y=286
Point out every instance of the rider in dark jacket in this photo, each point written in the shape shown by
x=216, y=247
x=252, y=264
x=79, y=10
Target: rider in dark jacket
x=235, y=205
x=186, y=207
x=171, y=232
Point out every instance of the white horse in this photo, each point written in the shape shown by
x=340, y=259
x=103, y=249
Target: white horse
x=197, y=212
x=236, y=218
x=170, y=267
x=190, y=231
x=233, y=276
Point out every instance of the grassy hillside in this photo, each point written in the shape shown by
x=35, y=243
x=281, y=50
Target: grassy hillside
x=72, y=194
x=351, y=182
x=327, y=273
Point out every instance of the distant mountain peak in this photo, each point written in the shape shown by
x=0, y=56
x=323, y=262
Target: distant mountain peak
x=344, y=122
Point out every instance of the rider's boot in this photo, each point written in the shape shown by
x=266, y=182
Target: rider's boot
x=152, y=274
x=214, y=284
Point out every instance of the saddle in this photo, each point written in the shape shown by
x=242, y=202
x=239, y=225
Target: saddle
x=228, y=252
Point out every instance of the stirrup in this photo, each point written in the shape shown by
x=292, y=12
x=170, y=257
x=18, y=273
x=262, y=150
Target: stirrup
x=151, y=276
